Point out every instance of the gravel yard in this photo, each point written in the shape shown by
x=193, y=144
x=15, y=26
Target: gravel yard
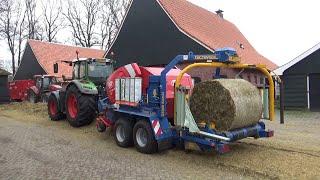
x=32, y=146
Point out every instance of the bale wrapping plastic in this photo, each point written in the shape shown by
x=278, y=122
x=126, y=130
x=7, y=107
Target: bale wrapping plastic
x=228, y=103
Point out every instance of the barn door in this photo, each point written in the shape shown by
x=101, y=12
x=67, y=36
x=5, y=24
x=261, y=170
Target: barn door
x=314, y=82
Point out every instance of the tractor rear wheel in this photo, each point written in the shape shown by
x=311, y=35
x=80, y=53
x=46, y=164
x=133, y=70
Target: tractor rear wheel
x=143, y=138
x=32, y=97
x=80, y=108
x=54, y=111
x=122, y=132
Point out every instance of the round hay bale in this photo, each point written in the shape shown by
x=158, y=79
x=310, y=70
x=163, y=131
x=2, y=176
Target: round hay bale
x=229, y=103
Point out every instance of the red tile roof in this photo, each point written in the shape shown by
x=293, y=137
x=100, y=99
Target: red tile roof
x=49, y=53
x=210, y=30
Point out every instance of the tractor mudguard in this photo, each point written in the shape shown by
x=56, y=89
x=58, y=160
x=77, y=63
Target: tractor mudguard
x=85, y=87
x=57, y=95
x=34, y=89
x=54, y=87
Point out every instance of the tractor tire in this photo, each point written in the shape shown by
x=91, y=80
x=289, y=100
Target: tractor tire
x=32, y=97
x=54, y=111
x=81, y=109
x=122, y=132
x=44, y=98
x=143, y=138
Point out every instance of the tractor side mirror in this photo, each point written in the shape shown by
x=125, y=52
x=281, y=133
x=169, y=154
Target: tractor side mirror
x=55, y=68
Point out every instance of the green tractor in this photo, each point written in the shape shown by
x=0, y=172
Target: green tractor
x=77, y=100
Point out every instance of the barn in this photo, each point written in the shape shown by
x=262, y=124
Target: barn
x=4, y=91
x=39, y=57
x=301, y=79
x=155, y=31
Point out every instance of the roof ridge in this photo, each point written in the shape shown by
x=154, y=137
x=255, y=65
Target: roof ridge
x=35, y=54
x=181, y=29
x=301, y=54
x=297, y=59
x=60, y=44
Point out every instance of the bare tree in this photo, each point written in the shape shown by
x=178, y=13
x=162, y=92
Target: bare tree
x=82, y=19
x=21, y=36
x=107, y=30
x=113, y=12
x=52, y=18
x=117, y=10
x=2, y=6
x=9, y=23
x=33, y=25
x=1, y=64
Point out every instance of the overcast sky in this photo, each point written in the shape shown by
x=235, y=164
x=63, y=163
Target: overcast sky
x=279, y=29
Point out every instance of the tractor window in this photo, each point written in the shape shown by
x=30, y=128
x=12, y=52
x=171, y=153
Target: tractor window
x=46, y=83
x=100, y=70
x=79, y=70
x=76, y=71
x=54, y=80
x=38, y=82
x=82, y=70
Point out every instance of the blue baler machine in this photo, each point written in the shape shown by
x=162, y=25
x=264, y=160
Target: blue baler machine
x=141, y=114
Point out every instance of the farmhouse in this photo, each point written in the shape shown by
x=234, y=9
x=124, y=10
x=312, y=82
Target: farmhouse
x=155, y=31
x=4, y=91
x=301, y=78
x=39, y=57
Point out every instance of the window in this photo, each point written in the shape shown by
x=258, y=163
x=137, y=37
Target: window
x=46, y=83
x=82, y=70
x=79, y=70
x=38, y=82
x=76, y=71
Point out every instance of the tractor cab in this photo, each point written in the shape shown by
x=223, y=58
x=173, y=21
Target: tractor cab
x=89, y=69
x=43, y=82
x=94, y=70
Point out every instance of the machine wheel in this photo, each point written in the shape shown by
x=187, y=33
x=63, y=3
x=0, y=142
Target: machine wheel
x=32, y=97
x=80, y=108
x=44, y=98
x=54, y=111
x=122, y=132
x=144, y=139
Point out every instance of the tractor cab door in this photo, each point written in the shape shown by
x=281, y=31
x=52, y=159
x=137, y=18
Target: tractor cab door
x=38, y=81
x=79, y=70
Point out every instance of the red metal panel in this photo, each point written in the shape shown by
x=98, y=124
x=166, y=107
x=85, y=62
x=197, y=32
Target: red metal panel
x=18, y=89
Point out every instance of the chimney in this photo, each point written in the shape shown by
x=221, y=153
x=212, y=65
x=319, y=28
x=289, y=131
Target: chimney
x=220, y=13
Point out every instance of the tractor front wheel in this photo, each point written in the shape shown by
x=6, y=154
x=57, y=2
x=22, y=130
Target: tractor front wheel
x=80, y=108
x=32, y=97
x=54, y=111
